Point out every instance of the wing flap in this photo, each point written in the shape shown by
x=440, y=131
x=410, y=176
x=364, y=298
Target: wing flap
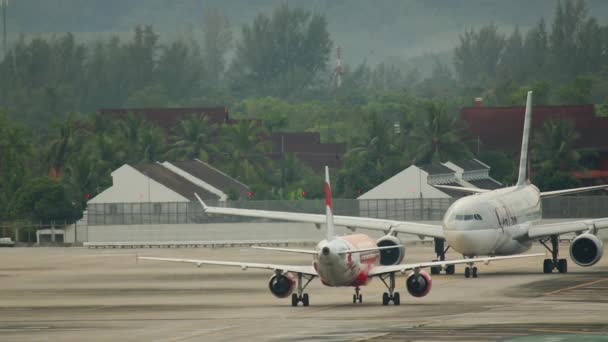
x=379, y=270
x=243, y=265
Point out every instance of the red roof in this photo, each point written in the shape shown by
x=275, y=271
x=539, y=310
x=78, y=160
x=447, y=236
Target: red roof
x=501, y=127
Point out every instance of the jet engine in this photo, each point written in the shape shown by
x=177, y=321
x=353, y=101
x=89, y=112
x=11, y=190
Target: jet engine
x=586, y=249
x=282, y=285
x=419, y=285
x=390, y=256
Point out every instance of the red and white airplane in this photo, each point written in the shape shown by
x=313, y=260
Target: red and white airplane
x=351, y=260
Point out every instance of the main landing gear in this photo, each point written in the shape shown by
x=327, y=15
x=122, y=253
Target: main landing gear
x=554, y=263
x=470, y=271
x=440, y=251
x=301, y=296
x=391, y=295
x=357, y=297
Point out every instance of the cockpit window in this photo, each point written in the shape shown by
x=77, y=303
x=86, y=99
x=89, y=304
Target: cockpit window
x=475, y=217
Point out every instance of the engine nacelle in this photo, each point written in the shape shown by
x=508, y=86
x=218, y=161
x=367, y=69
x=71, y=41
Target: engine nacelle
x=586, y=249
x=390, y=256
x=282, y=285
x=419, y=285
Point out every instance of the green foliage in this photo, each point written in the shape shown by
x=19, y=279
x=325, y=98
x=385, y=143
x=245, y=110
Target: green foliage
x=439, y=136
x=192, y=138
x=280, y=55
x=555, y=156
x=43, y=199
x=577, y=92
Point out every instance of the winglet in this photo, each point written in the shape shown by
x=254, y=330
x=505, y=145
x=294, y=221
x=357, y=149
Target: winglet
x=523, y=161
x=205, y=207
x=329, y=207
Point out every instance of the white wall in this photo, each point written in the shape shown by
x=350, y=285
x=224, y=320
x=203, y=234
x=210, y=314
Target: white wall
x=131, y=186
x=408, y=183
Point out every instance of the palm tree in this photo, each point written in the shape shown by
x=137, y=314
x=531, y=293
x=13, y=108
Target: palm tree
x=439, y=136
x=246, y=151
x=554, y=146
x=192, y=139
x=554, y=156
x=62, y=146
x=151, y=143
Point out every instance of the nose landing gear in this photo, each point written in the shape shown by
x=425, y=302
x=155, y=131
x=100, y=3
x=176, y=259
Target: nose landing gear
x=554, y=263
x=357, y=297
x=470, y=271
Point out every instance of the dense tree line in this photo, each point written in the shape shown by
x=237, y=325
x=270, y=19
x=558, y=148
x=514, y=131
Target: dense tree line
x=278, y=71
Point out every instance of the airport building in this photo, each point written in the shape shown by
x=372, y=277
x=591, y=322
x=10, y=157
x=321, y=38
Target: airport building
x=411, y=194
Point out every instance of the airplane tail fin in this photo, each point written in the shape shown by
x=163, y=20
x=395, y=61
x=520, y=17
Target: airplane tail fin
x=523, y=161
x=331, y=232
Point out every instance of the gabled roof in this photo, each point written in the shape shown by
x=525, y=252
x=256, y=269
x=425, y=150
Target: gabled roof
x=486, y=183
x=436, y=169
x=174, y=181
x=212, y=176
x=471, y=165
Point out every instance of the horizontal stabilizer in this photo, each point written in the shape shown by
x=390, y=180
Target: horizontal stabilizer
x=288, y=250
x=370, y=249
x=546, y=194
x=461, y=189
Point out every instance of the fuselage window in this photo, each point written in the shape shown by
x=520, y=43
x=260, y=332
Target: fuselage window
x=478, y=217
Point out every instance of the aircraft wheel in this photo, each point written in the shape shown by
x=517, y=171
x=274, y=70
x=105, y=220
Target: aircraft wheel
x=354, y=298
x=305, y=299
x=294, y=300
x=396, y=298
x=474, y=272
x=562, y=266
x=467, y=272
x=435, y=270
x=450, y=269
x=547, y=266
x=360, y=298
x=385, y=298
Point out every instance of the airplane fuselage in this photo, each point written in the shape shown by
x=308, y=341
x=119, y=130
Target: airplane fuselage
x=486, y=223
x=336, y=267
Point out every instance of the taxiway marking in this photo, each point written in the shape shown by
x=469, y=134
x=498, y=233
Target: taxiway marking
x=575, y=286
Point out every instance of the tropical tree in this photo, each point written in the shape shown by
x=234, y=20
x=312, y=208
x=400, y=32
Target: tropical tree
x=439, y=136
x=245, y=152
x=282, y=54
x=555, y=156
x=62, y=145
x=192, y=138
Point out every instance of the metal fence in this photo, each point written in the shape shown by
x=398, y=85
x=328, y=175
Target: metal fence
x=395, y=209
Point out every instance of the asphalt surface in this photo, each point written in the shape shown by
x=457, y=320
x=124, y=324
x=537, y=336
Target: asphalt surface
x=76, y=294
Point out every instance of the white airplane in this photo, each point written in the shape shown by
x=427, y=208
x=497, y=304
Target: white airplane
x=351, y=260
x=489, y=223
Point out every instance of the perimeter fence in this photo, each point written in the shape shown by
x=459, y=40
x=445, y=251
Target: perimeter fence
x=425, y=209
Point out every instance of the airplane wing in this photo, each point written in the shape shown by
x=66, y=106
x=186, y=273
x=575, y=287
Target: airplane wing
x=547, y=194
x=544, y=230
x=461, y=189
x=379, y=270
x=420, y=229
x=309, y=270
